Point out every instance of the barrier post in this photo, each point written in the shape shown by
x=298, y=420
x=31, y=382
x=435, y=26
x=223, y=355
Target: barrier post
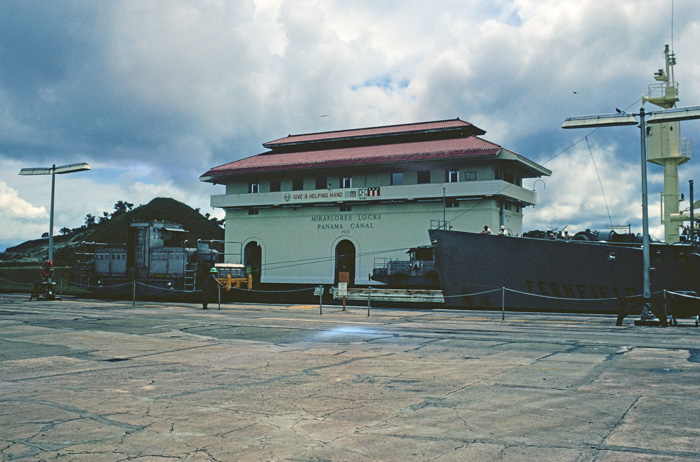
x=61, y=289
x=503, y=303
x=343, y=281
x=219, y=286
x=369, y=298
x=665, y=307
x=343, y=291
x=134, y=304
x=319, y=291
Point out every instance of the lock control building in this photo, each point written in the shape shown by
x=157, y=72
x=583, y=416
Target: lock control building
x=317, y=204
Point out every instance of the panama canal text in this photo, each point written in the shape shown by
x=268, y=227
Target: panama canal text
x=346, y=223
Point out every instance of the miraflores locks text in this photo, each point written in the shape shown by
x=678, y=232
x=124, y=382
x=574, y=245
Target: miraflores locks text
x=346, y=223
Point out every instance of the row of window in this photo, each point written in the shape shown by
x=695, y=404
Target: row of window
x=397, y=179
x=423, y=177
x=298, y=184
x=450, y=202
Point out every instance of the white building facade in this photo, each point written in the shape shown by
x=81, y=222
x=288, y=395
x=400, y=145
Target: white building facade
x=318, y=204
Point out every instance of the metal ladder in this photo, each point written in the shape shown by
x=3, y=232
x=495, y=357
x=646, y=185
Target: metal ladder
x=190, y=277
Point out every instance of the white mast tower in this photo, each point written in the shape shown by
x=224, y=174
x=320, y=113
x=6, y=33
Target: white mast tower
x=666, y=147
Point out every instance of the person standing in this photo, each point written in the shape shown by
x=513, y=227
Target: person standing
x=210, y=288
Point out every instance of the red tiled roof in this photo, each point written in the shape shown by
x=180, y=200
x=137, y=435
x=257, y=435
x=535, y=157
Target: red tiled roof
x=452, y=148
x=404, y=129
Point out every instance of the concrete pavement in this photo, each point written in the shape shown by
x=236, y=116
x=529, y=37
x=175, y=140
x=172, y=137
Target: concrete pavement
x=103, y=380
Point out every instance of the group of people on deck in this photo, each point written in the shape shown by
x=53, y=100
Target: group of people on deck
x=502, y=232
x=563, y=235
x=548, y=235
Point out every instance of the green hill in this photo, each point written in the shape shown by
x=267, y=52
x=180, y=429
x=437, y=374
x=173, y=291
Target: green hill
x=115, y=229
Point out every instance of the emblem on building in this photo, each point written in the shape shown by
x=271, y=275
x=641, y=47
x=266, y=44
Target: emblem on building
x=287, y=197
x=369, y=192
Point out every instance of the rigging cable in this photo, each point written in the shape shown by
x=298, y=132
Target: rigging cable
x=599, y=181
x=585, y=137
x=582, y=138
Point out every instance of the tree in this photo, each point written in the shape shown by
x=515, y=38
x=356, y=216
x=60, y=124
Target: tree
x=45, y=236
x=121, y=208
x=65, y=231
x=89, y=220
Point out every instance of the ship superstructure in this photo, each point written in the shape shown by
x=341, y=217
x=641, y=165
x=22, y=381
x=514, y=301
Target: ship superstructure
x=665, y=146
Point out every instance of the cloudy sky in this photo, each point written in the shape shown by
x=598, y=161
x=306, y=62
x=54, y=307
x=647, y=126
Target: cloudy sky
x=154, y=93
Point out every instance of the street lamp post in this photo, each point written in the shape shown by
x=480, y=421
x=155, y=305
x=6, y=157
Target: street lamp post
x=622, y=118
x=645, y=211
x=53, y=170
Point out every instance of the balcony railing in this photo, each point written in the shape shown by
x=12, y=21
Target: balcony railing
x=378, y=194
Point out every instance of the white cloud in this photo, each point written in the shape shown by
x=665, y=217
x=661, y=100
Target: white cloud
x=19, y=218
x=153, y=93
x=12, y=206
x=593, y=189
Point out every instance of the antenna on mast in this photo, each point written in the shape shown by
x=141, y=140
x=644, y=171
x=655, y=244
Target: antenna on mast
x=672, y=4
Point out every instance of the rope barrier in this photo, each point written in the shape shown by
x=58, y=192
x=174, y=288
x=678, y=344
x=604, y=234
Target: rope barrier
x=168, y=289
x=562, y=298
x=308, y=289
x=18, y=283
x=549, y=297
x=682, y=295
x=473, y=295
x=101, y=286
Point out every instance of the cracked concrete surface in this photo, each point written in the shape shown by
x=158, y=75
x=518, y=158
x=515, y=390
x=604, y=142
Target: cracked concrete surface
x=108, y=381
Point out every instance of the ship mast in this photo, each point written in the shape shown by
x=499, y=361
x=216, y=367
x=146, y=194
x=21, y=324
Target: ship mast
x=665, y=146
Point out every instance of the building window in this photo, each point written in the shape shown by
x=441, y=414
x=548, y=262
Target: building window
x=451, y=202
x=346, y=182
x=423, y=176
x=345, y=208
x=322, y=182
x=469, y=176
x=297, y=184
x=452, y=176
x=254, y=188
x=397, y=179
x=275, y=185
x=253, y=211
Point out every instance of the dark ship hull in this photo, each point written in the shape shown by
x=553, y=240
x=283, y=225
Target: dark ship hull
x=486, y=271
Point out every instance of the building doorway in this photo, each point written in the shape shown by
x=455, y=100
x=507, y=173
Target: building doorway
x=345, y=260
x=252, y=259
